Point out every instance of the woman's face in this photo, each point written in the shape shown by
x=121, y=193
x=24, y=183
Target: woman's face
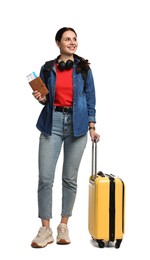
x=68, y=43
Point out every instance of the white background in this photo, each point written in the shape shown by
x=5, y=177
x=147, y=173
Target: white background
x=115, y=36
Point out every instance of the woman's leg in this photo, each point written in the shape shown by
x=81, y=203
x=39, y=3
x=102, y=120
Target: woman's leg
x=49, y=150
x=73, y=151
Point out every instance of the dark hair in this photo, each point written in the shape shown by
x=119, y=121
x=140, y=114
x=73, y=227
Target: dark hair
x=61, y=31
x=83, y=65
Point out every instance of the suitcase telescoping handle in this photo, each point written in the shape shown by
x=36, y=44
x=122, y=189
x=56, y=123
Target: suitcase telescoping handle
x=94, y=160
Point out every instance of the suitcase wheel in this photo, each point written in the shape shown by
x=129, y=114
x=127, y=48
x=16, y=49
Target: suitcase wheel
x=118, y=242
x=101, y=243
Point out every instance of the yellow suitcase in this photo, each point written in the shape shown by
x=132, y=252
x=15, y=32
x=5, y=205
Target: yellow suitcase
x=106, y=211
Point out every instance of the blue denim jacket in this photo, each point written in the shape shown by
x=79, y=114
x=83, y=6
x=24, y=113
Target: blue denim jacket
x=83, y=103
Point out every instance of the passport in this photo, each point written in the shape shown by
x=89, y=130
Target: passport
x=36, y=83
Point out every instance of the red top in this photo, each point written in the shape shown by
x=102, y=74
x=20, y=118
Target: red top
x=64, y=89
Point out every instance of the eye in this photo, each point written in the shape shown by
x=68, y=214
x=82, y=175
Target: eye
x=67, y=39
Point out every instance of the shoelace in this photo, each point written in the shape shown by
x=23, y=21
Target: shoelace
x=62, y=230
x=41, y=232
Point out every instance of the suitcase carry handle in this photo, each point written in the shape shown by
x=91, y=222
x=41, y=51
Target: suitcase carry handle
x=94, y=160
x=101, y=174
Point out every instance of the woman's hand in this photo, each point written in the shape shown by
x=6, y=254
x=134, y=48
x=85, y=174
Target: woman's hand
x=38, y=96
x=94, y=136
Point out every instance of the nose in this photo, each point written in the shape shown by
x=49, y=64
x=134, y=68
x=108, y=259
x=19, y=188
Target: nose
x=72, y=41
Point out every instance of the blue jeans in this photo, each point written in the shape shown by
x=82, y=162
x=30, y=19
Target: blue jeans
x=49, y=150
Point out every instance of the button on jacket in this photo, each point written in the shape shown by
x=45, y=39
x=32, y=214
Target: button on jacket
x=83, y=102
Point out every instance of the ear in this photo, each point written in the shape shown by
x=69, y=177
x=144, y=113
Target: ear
x=58, y=44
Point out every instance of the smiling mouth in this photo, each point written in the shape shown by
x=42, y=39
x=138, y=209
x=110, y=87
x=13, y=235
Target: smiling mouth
x=71, y=47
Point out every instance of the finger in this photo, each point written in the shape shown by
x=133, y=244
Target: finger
x=37, y=96
x=97, y=138
x=34, y=92
x=42, y=99
x=93, y=138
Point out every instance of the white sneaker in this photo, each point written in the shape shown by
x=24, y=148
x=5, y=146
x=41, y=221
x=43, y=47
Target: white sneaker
x=63, y=235
x=43, y=238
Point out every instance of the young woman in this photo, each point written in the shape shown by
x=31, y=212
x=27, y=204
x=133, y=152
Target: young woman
x=68, y=114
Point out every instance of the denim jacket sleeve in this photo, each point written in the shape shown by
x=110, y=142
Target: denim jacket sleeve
x=43, y=79
x=90, y=97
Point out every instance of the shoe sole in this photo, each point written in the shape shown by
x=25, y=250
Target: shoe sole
x=35, y=245
x=63, y=242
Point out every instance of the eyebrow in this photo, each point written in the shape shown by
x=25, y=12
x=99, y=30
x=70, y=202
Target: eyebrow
x=70, y=38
